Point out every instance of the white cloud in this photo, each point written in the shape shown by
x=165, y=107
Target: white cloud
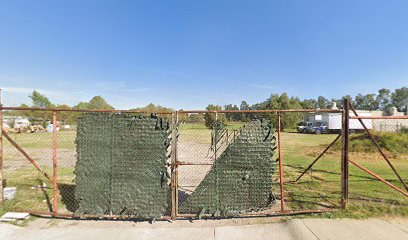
x=263, y=86
x=42, y=91
x=25, y=90
x=118, y=86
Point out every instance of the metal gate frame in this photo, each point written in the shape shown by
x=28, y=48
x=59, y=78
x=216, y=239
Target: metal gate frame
x=175, y=163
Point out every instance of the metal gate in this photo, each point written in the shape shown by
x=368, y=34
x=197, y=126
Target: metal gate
x=203, y=164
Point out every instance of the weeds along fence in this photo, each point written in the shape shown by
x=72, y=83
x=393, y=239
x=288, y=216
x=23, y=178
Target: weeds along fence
x=185, y=164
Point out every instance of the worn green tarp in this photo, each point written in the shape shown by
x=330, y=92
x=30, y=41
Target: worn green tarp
x=240, y=179
x=121, y=165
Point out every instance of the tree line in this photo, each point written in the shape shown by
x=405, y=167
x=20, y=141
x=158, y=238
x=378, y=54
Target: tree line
x=383, y=100
x=39, y=100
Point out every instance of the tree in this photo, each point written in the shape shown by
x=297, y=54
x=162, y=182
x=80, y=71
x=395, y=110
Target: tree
x=151, y=108
x=309, y=104
x=244, y=106
x=232, y=116
x=384, y=99
x=400, y=99
x=96, y=102
x=210, y=118
x=195, y=117
x=40, y=100
x=279, y=102
x=322, y=102
x=66, y=117
x=366, y=102
x=350, y=98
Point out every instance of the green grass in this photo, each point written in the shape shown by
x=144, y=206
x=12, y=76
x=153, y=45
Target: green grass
x=318, y=189
x=321, y=188
x=199, y=133
x=395, y=143
x=30, y=195
x=65, y=140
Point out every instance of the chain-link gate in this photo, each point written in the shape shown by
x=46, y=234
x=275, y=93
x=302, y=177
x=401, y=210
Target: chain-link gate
x=223, y=171
x=128, y=164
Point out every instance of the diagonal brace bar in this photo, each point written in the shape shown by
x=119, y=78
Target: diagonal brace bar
x=35, y=164
x=317, y=159
x=379, y=149
x=379, y=178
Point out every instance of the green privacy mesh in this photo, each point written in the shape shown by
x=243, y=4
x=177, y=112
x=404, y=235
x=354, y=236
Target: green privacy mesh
x=240, y=180
x=121, y=165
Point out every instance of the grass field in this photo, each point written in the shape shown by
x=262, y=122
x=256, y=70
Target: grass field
x=318, y=189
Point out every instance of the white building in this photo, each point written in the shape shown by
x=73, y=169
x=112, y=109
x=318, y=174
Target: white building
x=334, y=121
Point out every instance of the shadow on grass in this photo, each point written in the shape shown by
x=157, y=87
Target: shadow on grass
x=45, y=193
x=67, y=192
x=329, y=172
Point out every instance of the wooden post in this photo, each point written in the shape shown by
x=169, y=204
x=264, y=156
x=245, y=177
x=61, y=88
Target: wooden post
x=282, y=191
x=54, y=161
x=345, y=153
x=174, y=174
x=1, y=152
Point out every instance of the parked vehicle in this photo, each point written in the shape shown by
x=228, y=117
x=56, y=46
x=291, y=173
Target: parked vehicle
x=316, y=127
x=304, y=127
x=331, y=123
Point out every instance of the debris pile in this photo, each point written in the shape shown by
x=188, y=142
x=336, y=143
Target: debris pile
x=26, y=129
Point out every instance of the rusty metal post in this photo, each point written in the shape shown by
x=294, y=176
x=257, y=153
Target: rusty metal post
x=217, y=185
x=54, y=163
x=282, y=191
x=1, y=152
x=174, y=174
x=345, y=154
x=176, y=167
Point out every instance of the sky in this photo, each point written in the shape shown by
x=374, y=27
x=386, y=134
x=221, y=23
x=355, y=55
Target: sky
x=187, y=54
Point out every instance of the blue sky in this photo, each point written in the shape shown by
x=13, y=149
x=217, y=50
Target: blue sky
x=186, y=54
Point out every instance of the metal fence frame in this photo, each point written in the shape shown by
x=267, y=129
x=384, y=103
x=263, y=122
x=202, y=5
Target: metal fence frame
x=175, y=163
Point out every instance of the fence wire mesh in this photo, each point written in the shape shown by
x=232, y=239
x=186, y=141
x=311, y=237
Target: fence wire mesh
x=35, y=144
x=391, y=137
x=311, y=168
x=225, y=167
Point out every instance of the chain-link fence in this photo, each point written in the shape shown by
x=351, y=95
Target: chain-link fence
x=378, y=156
x=225, y=166
x=27, y=163
x=181, y=164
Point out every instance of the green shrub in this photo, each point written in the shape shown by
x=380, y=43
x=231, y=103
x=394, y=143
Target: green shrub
x=392, y=142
